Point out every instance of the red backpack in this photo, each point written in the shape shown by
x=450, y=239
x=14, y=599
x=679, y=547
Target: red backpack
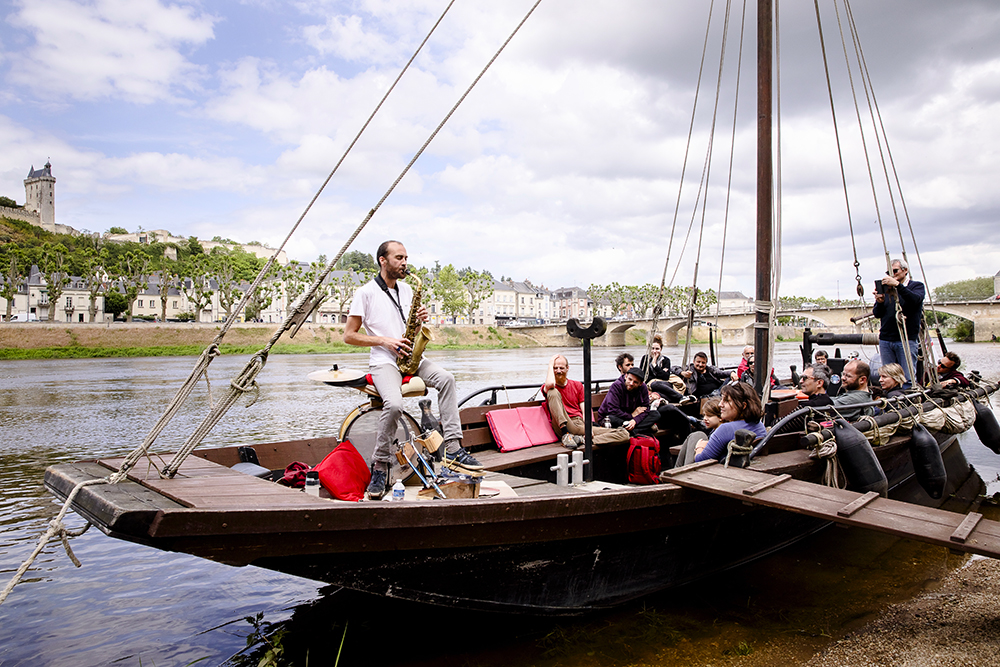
x=644, y=460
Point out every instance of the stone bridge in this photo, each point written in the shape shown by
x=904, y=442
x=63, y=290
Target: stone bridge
x=737, y=328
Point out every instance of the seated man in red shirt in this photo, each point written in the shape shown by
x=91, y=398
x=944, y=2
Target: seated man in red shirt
x=564, y=399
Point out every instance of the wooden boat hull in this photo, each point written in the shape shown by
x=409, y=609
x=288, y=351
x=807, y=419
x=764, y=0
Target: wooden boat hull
x=544, y=554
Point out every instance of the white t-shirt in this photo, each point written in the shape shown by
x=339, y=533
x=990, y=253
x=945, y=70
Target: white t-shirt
x=380, y=317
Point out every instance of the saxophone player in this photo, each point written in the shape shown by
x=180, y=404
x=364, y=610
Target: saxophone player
x=381, y=306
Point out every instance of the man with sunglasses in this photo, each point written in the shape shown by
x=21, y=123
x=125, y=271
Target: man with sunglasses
x=894, y=347
x=948, y=373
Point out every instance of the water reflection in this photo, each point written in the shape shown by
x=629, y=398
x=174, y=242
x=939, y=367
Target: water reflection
x=129, y=602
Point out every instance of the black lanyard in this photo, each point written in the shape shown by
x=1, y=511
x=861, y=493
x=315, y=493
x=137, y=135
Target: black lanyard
x=385, y=288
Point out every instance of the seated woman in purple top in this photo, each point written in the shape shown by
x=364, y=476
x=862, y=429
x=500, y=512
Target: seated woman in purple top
x=741, y=408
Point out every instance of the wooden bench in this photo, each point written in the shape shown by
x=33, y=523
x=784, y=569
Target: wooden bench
x=478, y=438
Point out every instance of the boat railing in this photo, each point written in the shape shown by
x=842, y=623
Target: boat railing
x=902, y=407
x=495, y=390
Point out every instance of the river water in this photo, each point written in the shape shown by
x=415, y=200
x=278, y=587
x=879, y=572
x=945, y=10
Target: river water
x=133, y=605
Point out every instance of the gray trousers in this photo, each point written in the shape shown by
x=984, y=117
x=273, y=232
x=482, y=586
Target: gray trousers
x=687, y=453
x=388, y=380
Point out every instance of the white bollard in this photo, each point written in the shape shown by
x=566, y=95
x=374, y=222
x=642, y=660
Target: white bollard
x=577, y=466
x=562, y=469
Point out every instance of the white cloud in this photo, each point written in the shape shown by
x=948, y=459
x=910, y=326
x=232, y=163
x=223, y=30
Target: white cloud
x=561, y=166
x=127, y=49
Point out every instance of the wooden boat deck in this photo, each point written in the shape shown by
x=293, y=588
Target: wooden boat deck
x=970, y=533
x=206, y=485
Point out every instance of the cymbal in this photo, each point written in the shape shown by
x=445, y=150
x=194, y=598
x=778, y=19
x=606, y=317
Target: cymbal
x=337, y=375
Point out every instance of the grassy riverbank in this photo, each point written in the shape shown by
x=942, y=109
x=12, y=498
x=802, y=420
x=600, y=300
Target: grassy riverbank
x=31, y=340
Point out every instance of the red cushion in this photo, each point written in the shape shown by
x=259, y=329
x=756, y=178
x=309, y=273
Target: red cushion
x=344, y=473
x=518, y=428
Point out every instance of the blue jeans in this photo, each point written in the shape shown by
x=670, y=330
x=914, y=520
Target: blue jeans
x=894, y=351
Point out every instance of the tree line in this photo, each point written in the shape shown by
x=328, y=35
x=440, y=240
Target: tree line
x=120, y=272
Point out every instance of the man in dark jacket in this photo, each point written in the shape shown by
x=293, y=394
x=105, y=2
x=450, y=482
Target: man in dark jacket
x=626, y=401
x=893, y=347
x=813, y=381
x=701, y=379
x=948, y=373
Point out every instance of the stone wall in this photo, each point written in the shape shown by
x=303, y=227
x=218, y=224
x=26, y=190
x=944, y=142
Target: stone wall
x=20, y=214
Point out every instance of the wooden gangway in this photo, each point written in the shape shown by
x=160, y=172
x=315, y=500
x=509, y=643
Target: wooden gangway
x=970, y=533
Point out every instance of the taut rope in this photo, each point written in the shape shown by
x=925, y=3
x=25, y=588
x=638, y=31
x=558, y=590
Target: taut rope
x=246, y=381
x=247, y=378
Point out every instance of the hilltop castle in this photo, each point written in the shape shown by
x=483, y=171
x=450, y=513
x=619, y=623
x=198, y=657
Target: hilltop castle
x=40, y=195
x=39, y=202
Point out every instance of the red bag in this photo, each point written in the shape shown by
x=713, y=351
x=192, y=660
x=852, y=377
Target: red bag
x=344, y=473
x=295, y=475
x=644, y=460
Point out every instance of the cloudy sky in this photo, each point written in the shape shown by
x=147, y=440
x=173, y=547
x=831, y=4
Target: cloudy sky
x=563, y=164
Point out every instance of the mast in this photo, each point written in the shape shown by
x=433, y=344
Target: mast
x=762, y=362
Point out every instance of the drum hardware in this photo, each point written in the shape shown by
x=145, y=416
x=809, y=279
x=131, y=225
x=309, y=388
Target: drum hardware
x=431, y=479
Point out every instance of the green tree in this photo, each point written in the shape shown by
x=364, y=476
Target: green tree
x=357, y=260
x=196, y=281
x=262, y=298
x=94, y=272
x=194, y=246
x=974, y=289
x=117, y=230
x=132, y=274
x=344, y=286
x=642, y=298
x=54, y=262
x=616, y=295
x=115, y=303
x=479, y=286
x=294, y=278
x=232, y=268
x=8, y=202
x=168, y=278
x=13, y=264
x=450, y=291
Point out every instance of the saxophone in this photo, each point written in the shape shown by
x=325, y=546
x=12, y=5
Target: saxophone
x=416, y=332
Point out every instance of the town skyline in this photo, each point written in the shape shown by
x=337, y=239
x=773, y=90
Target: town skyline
x=561, y=167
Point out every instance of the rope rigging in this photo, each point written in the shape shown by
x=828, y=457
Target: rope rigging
x=658, y=308
x=732, y=154
x=705, y=180
x=245, y=381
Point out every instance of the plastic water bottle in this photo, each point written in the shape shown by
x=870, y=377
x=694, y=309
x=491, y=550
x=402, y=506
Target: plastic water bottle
x=312, y=483
x=607, y=422
x=398, y=490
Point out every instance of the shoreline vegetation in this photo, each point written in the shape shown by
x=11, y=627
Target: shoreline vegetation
x=31, y=340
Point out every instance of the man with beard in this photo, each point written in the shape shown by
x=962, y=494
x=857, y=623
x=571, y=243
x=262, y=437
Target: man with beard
x=381, y=306
x=855, y=383
x=702, y=379
x=564, y=400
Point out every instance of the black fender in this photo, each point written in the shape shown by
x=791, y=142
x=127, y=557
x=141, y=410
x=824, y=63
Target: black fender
x=986, y=427
x=864, y=473
x=927, y=462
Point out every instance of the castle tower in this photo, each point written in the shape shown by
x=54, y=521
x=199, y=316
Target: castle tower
x=40, y=195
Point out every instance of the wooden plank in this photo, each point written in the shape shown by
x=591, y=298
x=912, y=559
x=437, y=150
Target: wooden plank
x=852, y=507
x=897, y=518
x=204, y=484
x=766, y=484
x=520, y=457
x=691, y=467
x=962, y=533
